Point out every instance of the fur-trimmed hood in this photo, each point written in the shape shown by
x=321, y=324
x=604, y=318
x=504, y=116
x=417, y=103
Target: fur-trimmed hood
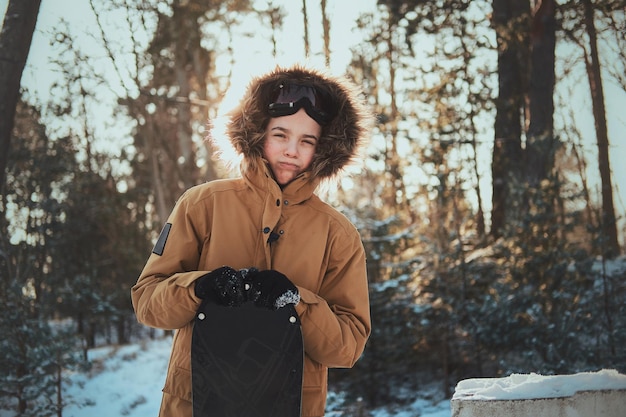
x=341, y=138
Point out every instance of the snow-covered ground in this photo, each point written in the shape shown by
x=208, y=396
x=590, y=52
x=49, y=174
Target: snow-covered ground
x=124, y=381
x=127, y=381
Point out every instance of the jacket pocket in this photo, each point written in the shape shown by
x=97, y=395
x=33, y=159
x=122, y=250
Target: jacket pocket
x=178, y=384
x=314, y=388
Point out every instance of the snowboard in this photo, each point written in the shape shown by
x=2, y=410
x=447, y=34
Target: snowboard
x=246, y=361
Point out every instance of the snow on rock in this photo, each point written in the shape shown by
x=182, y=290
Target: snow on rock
x=534, y=386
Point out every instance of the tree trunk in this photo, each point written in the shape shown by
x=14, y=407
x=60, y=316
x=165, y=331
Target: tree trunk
x=480, y=214
x=608, y=224
x=15, y=38
x=540, y=146
x=509, y=21
x=305, y=17
x=59, y=386
x=326, y=29
x=163, y=205
x=122, y=330
x=191, y=68
x=396, y=196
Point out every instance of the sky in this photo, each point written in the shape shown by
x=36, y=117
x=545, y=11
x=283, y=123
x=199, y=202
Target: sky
x=252, y=60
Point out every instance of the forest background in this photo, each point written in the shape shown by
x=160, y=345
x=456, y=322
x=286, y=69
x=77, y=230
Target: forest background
x=486, y=200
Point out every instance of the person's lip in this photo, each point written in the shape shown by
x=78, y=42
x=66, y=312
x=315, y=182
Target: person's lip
x=288, y=165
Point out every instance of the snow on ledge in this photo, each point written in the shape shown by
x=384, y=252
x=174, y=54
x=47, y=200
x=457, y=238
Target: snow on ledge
x=534, y=386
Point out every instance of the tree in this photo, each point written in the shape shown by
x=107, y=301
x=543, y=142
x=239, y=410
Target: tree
x=275, y=16
x=34, y=356
x=94, y=291
x=592, y=62
x=31, y=224
x=305, y=24
x=325, y=33
x=592, y=27
x=382, y=64
x=15, y=38
x=510, y=22
x=540, y=142
x=101, y=232
x=177, y=96
x=525, y=144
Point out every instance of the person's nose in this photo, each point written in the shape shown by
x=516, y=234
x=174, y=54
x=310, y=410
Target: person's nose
x=291, y=148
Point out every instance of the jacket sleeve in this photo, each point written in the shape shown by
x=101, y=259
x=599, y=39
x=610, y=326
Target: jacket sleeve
x=163, y=296
x=336, y=322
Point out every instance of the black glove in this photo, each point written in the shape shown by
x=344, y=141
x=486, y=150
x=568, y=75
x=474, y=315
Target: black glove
x=224, y=286
x=271, y=289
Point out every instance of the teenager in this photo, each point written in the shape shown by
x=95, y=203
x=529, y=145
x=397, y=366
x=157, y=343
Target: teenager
x=266, y=236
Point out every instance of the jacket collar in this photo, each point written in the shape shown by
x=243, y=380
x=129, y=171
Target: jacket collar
x=297, y=191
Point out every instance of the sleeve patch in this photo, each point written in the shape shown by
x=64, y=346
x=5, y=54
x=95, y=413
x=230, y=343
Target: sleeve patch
x=159, y=247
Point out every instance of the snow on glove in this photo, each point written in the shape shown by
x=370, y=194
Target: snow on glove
x=224, y=286
x=272, y=290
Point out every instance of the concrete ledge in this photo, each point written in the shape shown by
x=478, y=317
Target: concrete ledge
x=601, y=394
x=605, y=403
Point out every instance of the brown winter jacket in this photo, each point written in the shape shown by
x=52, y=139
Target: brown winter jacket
x=227, y=222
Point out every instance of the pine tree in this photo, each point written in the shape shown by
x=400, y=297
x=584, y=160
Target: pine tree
x=33, y=351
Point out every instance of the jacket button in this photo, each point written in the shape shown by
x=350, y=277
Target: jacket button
x=286, y=202
x=266, y=230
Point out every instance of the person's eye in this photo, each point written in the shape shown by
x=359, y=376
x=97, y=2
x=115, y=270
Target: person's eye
x=310, y=142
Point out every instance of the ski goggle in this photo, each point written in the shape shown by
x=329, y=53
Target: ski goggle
x=287, y=99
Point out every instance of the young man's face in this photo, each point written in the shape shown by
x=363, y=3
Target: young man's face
x=290, y=143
